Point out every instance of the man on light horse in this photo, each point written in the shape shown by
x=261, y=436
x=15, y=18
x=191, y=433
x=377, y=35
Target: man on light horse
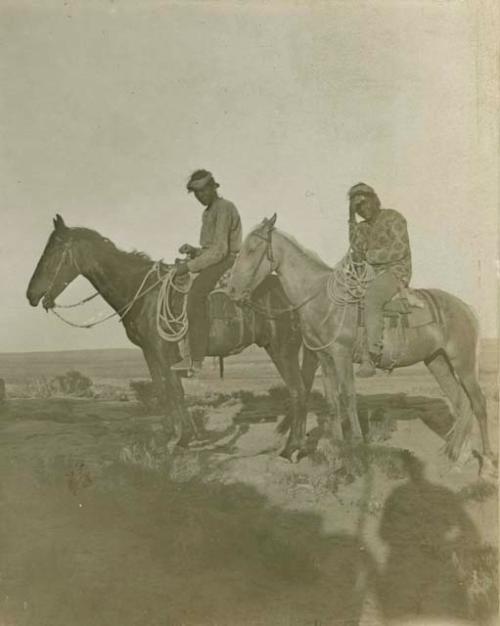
x=381, y=240
x=220, y=241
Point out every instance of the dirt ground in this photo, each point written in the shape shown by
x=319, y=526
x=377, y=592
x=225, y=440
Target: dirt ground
x=101, y=525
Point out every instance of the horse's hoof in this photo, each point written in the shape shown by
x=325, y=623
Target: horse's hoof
x=357, y=440
x=283, y=460
x=488, y=469
x=184, y=440
x=286, y=455
x=295, y=457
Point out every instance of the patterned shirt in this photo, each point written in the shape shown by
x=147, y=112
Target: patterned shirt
x=383, y=244
x=220, y=235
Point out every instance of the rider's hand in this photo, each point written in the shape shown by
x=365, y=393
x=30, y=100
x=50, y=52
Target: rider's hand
x=352, y=212
x=186, y=248
x=181, y=268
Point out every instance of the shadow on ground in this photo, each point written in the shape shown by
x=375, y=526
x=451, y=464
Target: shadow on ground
x=100, y=542
x=134, y=548
x=378, y=413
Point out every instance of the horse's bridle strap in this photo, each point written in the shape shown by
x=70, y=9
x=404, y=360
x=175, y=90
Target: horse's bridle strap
x=269, y=248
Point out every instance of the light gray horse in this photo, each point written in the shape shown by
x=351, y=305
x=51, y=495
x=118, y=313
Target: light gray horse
x=449, y=349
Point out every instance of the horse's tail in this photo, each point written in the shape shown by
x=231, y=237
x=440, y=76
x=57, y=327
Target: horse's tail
x=458, y=437
x=221, y=367
x=474, y=317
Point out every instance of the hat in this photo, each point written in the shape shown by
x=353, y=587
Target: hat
x=199, y=179
x=361, y=188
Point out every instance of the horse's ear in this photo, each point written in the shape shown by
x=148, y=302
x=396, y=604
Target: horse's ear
x=271, y=222
x=59, y=224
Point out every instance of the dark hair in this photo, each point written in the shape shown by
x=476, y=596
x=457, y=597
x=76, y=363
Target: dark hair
x=197, y=174
x=200, y=175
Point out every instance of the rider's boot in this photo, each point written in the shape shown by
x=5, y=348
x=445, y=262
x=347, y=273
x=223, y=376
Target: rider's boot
x=184, y=365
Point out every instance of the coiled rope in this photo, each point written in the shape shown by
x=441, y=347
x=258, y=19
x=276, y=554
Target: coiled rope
x=346, y=285
x=348, y=281
x=172, y=327
x=121, y=312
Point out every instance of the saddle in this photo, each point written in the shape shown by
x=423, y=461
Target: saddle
x=231, y=326
x=411, y=308
x=408, y=309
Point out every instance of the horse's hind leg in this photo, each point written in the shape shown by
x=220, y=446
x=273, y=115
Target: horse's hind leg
x=460, y=404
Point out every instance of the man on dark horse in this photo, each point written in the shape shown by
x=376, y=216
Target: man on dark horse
x=381, y=240
x=220, y=241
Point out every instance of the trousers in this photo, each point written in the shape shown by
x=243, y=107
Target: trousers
x=197, y=306
x=380, y=290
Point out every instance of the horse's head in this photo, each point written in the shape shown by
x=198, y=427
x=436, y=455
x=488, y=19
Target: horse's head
x=254, y=262
x=56, y=268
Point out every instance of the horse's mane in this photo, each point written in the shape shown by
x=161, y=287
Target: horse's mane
x=305, y=251
x=93, y=236
x=310, y=254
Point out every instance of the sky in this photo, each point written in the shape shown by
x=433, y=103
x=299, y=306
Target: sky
x=107, y=106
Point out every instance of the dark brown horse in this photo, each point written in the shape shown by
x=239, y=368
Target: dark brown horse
x=126, y=282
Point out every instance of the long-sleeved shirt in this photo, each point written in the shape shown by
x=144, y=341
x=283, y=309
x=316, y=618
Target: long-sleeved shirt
x=220, y=235
x=383, y=244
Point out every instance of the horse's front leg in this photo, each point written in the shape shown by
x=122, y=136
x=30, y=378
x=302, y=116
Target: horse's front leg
x=333, y=427
x=285, y=357
x=155, y=367
x=186, y=427
x=342, y=358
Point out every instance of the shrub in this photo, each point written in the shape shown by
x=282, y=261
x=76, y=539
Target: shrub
x=73, y=383
x=145, y=394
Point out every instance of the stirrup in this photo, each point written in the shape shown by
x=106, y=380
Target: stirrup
x=185, y=365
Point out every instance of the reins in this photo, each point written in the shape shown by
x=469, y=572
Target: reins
x=121, y=312
x=171, y=327
x=68, y=252
x=349, y=276
x=271, y=313
x=345, y=285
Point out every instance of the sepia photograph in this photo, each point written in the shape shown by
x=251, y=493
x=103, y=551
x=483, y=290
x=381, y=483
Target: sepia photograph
x=249, y=317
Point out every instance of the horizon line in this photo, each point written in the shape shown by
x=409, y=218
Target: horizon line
x=131, y=347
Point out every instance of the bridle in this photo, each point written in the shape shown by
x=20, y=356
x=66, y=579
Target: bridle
x=142, y=291
x=271, y=313
x=269, y=248
x=67, y=252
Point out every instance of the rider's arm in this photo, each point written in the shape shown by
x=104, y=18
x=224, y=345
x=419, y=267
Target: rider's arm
x=393, y=245
x=358, y=239
x=218, y=248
